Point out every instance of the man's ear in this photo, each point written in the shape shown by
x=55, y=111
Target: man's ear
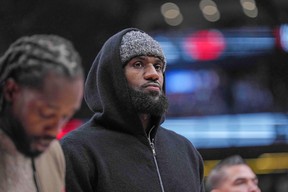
x=10, y=89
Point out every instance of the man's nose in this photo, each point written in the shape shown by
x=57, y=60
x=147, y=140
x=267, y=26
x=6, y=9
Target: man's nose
x=151, y=73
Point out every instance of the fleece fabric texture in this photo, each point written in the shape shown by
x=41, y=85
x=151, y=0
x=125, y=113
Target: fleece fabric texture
x=112, y=153
x=16, y=173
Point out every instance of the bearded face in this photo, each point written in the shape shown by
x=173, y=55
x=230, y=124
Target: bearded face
x=145, y=78
x=16, y=131
x=150, y=102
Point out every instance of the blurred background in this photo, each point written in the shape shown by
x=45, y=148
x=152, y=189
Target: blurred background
x=227, y=70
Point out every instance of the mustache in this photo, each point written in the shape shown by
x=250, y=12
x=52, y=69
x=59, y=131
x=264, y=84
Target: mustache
x=152, y=83
x=45, y=137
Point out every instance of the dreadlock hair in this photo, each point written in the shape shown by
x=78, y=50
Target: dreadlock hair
x=30, y=58
x=217, y=175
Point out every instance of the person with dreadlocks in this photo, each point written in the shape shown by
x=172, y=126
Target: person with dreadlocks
x=41, y=80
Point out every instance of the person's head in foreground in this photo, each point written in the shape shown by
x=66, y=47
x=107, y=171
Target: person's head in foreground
x=232, y=174
x=41, y=88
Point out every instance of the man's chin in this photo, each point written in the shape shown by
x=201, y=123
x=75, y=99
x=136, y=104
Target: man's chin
x=36, y=148
x=39, y=147
x=35, y=153
x=32, y=153
x=152, y=102
x=154, y=94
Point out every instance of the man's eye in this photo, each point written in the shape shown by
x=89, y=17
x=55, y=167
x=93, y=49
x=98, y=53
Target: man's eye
x=158, y=67
x=240, y=182
x=46, y=113
x=138, y=65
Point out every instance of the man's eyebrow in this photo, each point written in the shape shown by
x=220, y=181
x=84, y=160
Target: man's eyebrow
x=144, y=57
x=244, y=178
x=158, y=59
x=51, y=105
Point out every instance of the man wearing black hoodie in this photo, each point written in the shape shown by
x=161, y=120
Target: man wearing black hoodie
x=123, y=147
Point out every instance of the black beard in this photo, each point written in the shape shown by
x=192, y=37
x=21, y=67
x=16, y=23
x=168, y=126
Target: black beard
x=15, y=130
x=148, y=103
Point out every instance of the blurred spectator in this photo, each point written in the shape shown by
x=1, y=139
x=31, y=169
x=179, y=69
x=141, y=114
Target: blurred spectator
x=230, y=175
x=41, y=81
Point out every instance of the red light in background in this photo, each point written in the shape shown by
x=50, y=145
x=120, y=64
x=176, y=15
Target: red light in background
x=71, y=125
x=205, y=45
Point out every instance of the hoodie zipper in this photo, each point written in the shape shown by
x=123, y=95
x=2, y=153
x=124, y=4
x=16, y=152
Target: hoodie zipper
x=151, y=142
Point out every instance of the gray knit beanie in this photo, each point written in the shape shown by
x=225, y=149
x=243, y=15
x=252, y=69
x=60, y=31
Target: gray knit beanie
x=136, y=43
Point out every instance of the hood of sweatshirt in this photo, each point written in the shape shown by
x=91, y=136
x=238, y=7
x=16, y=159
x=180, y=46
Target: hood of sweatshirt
x=106, y=90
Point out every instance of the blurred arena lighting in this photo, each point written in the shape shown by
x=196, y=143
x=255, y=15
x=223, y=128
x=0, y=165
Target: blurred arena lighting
x=249, y=8
x=172, y=14
x=171, y=50
x=192, y=46
x=209, y=10
x=283, y=36
x=205, y=45
x=224, y=131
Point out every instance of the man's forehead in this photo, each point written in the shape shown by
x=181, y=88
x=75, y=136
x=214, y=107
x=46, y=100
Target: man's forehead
x=239, y=171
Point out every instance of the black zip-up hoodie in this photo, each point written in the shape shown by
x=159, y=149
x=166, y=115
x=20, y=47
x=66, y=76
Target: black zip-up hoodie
x=112, y=152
